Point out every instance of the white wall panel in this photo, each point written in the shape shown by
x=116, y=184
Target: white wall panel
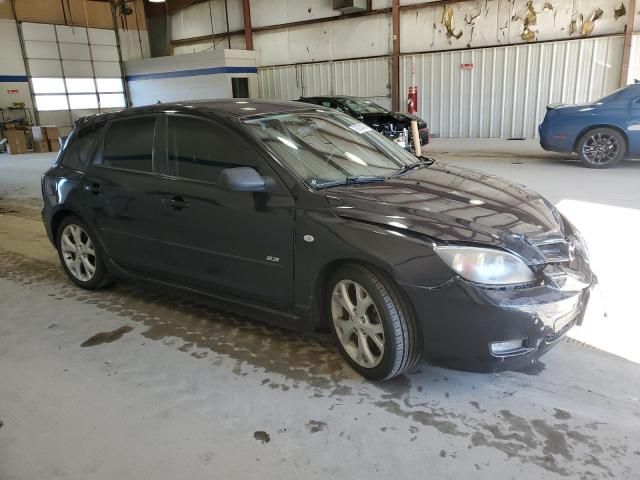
x=38, y=31
x=104, y=53
x=134, y=46
x=107, y=69
x=367, y=78
x=11, y=64
x=280, y=83
x=77, y=68
x=72, y=34
x=502, y=22
x=101, y=36
x=197, y=20
x=10, y=52
x=45, y=68
x=237, y=43
x=274, y=12
x=37, y=49
x=74, y=51
x=634, y=60
x=341, y=39
x=508, y=88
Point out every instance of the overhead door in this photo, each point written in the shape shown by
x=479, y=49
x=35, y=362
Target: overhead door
x=74, y=71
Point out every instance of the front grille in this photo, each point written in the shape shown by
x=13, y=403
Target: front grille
x=556, y=251
x=554, y=337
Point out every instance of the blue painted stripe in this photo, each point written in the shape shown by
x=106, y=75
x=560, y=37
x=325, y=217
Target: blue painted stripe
x=191, y=73
x=13, y=78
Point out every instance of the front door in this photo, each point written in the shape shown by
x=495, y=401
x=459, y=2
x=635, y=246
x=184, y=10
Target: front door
x=121, y=199
x=236, y=243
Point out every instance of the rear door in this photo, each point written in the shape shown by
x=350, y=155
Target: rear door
x=236, y=243
x=121, y=197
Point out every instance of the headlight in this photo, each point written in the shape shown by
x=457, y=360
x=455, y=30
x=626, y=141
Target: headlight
x=486, y=265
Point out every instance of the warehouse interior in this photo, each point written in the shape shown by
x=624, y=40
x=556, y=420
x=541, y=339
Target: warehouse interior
x=137, y=381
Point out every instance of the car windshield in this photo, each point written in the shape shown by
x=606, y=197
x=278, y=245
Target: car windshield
x=360, y=105
x=323, y=148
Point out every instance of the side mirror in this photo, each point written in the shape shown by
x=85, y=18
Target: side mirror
x=242, y=179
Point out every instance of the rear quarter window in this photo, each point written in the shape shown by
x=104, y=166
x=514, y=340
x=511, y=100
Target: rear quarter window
x=81, y=147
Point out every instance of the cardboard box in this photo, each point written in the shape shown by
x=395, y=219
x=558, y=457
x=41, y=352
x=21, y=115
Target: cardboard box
x=41, y=146
x=54, y=145
x=39, y=134
x=53, y=132
x=43, y=133
x=16, y=141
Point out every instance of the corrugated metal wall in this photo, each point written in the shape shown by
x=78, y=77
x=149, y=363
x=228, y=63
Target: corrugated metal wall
x=368, y=77
x=504, y=95
x=507, y=90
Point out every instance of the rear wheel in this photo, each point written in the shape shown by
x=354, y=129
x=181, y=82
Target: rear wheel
x=80, y=254
x=373, y=324
x=602, y=148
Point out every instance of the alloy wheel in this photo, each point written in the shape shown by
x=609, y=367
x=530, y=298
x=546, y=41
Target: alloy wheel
x=600, y=148
x=357, y=323
x=78, y=252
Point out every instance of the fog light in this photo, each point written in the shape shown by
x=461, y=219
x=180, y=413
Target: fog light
x=510, y=346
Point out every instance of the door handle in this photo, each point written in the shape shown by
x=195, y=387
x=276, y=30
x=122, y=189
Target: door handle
x=177, y=203
x=94, y=188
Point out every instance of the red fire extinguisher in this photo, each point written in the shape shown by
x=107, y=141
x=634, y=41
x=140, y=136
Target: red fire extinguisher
x=412, y=99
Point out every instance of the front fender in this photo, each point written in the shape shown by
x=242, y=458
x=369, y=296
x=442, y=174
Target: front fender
x=324, y=239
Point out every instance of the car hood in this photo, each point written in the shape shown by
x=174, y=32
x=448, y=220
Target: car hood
x=445, y=204
x=403, y=119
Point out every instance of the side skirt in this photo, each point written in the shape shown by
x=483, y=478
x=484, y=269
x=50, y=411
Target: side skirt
x=298, y=321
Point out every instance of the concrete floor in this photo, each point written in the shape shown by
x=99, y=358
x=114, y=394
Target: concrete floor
x=133, y=382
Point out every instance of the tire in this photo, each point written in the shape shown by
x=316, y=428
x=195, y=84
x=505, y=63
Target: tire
x=385, y=319
x=74, y=229
x=602, y=148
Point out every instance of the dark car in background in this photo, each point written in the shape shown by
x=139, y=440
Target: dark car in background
x=602, y=133
x=302, y=217
x=394, y=125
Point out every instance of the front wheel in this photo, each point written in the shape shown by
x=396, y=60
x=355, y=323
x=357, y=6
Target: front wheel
x=602, y=148
x=372, y=322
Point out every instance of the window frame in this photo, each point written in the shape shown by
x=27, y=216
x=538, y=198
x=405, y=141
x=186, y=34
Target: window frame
x=259, y=156
x=155, y=151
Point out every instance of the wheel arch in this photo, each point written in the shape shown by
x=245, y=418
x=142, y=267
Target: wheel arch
x=57, y=218
x=319, y=312
x=586, y=130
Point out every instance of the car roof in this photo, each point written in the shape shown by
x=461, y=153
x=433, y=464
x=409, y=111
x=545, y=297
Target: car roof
x=235, y=107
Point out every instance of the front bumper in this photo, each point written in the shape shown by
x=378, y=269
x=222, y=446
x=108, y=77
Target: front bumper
x=460, y=321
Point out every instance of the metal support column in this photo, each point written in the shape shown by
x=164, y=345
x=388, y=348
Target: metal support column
x=27, y=70
x=248, y=32
x=123, y=74
x=395, y=55
x=628, y=38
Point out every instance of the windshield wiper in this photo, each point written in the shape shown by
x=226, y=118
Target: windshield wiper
x=350, y=181
x=422, y=162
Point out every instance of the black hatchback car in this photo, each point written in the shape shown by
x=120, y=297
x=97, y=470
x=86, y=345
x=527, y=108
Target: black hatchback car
x=315, y=220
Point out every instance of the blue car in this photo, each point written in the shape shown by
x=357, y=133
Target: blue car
x=602, y=133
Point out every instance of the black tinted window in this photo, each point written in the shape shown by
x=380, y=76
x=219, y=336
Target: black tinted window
x=129, y=144
x=200, y=150
x=79, y=152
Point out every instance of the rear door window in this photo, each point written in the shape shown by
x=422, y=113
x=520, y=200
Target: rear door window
x=199, y=149
x=128, y=144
